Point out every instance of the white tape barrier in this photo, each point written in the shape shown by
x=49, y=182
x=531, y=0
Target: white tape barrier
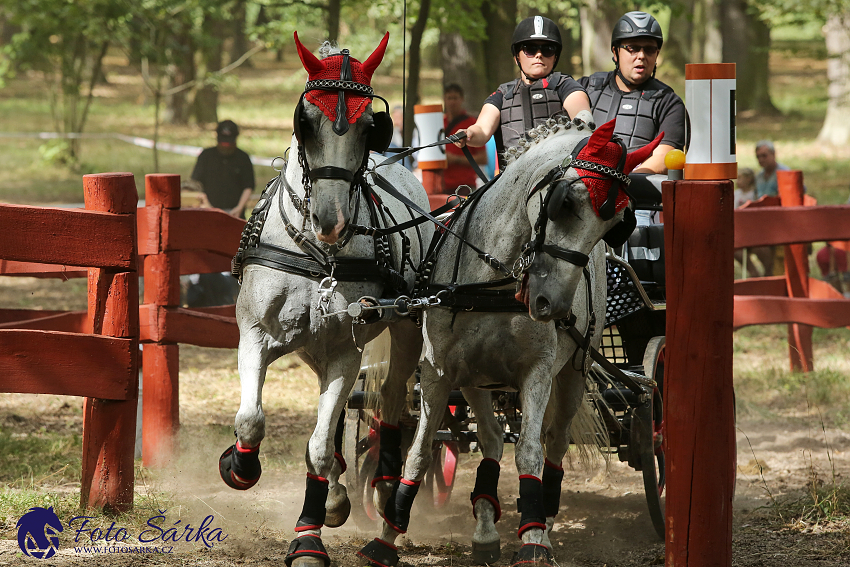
x=135, y=140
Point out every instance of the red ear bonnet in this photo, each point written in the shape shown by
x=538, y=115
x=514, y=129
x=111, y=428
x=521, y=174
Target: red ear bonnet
x=600, y=149
x=329, y=68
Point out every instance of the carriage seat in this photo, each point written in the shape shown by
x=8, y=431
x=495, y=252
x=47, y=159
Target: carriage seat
x=646, y=256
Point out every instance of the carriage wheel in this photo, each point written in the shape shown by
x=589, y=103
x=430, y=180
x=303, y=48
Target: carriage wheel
x=440, y=477
x=649, y=420
x=359, y=450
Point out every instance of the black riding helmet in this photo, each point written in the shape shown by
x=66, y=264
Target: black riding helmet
x=631, y=26
x=538, y=29
x=637, y=24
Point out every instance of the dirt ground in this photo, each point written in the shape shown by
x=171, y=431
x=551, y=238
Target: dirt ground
x=603, y=520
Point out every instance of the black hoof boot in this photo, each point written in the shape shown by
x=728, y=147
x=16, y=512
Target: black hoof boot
x=240, y=469
x=307, y=546
x=533, y=555
x=379, y=553
x=486, y=553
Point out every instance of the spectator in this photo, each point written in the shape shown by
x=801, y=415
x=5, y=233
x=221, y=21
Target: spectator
x=766, y=178
x=832, y=262
x=536, y=48
x=224, y=176
x=643, y=105
x=458, y=171
x=743, y=193
x=224, y=173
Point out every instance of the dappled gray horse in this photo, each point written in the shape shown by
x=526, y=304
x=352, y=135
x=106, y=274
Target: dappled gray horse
x=561, y=193
x=320, y=238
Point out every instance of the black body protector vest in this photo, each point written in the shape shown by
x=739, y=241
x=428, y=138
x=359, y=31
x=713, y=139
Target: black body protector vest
x=524, y=107
x=636, y=123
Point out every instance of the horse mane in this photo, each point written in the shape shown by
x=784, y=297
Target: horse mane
x=539, y=133
x=328, y=48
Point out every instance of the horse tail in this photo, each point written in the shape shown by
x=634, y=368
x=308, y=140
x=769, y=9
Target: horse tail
x=374, y=366
x=587, y=429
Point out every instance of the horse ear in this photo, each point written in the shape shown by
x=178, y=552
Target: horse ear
x=311, y=63
x=601, y=136
x=639, y=155
x=377, y=56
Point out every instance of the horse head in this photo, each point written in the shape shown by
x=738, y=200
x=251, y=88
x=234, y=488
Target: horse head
x=586, y=202
x=336, y=127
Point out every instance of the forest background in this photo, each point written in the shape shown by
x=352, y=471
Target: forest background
x=168, y=70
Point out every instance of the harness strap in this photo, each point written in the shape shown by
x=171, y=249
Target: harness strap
x=346, y=269
x=331, y=172
x=474, y=164
x=573, y=257
x=403, y=154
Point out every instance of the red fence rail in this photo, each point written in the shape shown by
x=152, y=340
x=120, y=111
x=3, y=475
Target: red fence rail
x=802, y=302
x=95, y=355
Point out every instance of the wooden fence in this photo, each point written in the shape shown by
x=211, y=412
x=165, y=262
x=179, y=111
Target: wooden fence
x=93, y=354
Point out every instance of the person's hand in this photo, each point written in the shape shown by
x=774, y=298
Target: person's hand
x=463, y=141
x=236, y=211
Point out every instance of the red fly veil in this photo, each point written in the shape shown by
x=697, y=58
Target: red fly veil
x=601, y=150
x=340, y=69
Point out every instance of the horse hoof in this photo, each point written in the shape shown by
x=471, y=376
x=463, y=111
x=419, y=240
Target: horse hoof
x=338, y=506
x=486, y=553
x=533, y=555
x=232, y=462
x=379, y=553
x=307, y=551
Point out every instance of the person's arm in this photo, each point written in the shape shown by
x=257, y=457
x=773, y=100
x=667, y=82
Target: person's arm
x=575, y=102
x=243, y=200
x=655, y=162
x=478, y=134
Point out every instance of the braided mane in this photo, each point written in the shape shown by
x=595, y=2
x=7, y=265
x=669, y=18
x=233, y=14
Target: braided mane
x=539, y=133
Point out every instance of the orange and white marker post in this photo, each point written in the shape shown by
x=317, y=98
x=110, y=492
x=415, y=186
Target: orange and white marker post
x=710, y=100
x=432, y=161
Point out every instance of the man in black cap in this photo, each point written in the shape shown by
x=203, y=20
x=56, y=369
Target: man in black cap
x=225, y=172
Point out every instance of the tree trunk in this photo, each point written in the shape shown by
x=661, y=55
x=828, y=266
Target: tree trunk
x=463, y=63
x=206, y=98
x=240, y=38
x=412, y=94
x=334, y=10
x=597, y=23
x=836, y=126
x=178, y=105
x=501, y=19
x=746, y=42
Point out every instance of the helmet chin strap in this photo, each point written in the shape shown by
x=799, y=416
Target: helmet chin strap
x=628, y=83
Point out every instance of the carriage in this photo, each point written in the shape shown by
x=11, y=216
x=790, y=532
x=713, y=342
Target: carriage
x=627, y=375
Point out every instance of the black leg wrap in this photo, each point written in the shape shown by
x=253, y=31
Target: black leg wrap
x=397, y=509
x=313, y=512
x=307, y=546
x=340, y=430
x=532, y=553
x=487, y=485
x=379, y=553
x=552, y=477
x=238, y=468
x=389, y=456
x=530, y=504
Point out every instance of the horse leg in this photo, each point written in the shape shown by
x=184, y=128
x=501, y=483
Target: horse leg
x=486, y=545
x=564, y=402
x=382, y=552
x=405, y=348
x=239, y=465
x=323, y=466
x=529, y=463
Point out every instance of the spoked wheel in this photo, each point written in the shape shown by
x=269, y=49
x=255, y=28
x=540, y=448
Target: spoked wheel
x=648, y=422
x=440, y=479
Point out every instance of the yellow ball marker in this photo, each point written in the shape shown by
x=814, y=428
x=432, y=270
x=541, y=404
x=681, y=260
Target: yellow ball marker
x=674, y=161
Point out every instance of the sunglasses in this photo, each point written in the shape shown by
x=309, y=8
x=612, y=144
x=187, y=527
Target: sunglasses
x=650, y=50
x=545, y=49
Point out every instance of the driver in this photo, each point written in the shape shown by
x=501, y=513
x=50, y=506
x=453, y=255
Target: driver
x=643, y=105
x=520, y=105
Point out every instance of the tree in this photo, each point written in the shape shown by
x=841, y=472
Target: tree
x=836, y=126
x=597, y=22
x=65, y=42
x=746, y=42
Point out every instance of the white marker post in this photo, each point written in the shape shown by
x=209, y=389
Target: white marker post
x=710, y=100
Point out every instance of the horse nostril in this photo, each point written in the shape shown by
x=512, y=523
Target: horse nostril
x=542, y=306
x=316, y=222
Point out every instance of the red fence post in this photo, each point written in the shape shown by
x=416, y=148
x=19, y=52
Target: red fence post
x=109, y=426
x=698, y=399
x=160, y=360
x=796, y=274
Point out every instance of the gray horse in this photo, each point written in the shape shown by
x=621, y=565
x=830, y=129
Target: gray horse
x=310, y=249
x=546, y=215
